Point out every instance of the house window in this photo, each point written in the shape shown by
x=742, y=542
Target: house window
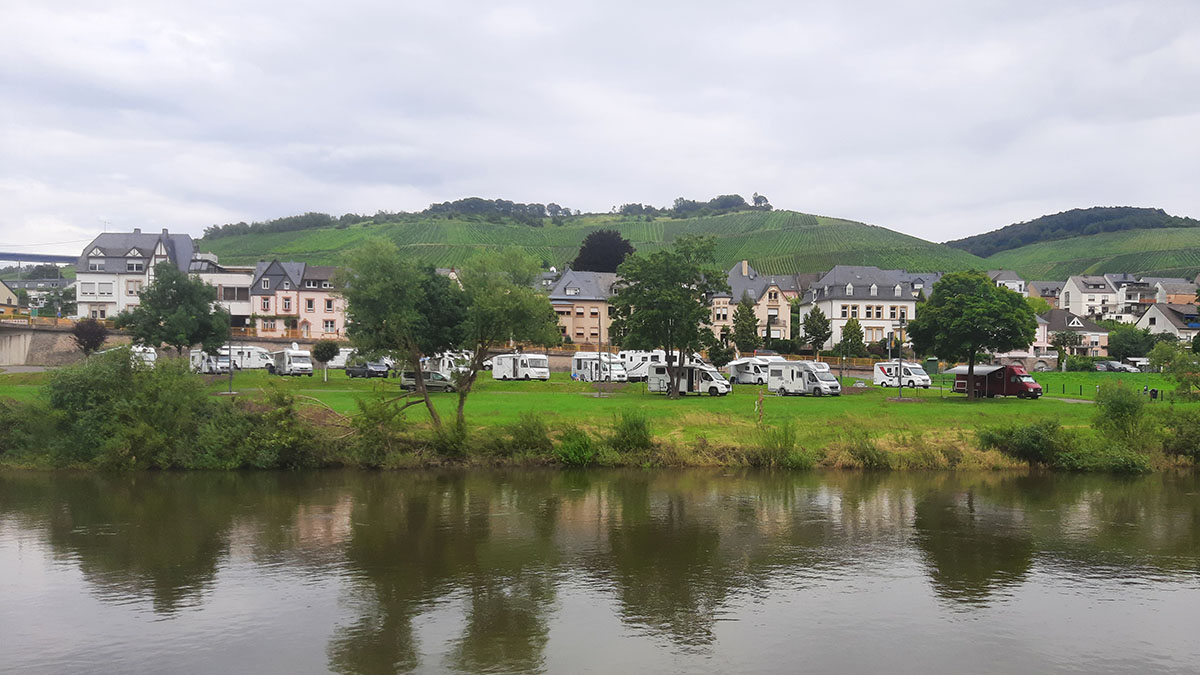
x=903, y=313
x=87, y=289
x=896, y=290
x=266, y=304
x=874, y=290
x=235, y=293
x=287, y=304
x=133, y=287
x=773, y=295
x=266, y=284
x=893, y=313
x=326, y=284
x=104, y=288
x=98, y=313
x=578, y=311
x=853, y=311
x=845, y=312
x=268, y=324
x=287, y=285
x=135, y=266
x=310, y=283
x=594, y=311
x=329, y=305
x=95, y=265
x=870, y=312
x=572, y=291
x=310, y=305
x=849, y=289
x=330, y=326
x=1153, y=320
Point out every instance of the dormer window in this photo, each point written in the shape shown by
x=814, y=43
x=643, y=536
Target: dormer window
x=898, y=290
x=326, y=284
x=95, y=264
x=135, y=265
x=874, y=290
x=266, y=284
x=287, y=285
x=97, y=252
x=572, y=290
x=849, y=289
x=310, y=283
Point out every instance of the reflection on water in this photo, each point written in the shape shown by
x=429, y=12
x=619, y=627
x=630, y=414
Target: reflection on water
x=597, y=571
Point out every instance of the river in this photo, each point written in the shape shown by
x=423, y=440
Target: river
x=598, y=572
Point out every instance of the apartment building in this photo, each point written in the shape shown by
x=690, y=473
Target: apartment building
x=880, y=300
x=1180, y=320
x=580, y=299
x=1010, y=280
x=115, y=266
x=1095, y=338
x=232, y=285
x=770, y=294
x=293, y=299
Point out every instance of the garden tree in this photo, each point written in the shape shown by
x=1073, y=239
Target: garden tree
x=22, y=297
x=1179, y=364
x=178, y=311
x=662, y=302
x=817, y=330
x=1038, y=305
x=1196, y=344
x=323, y=352
x=395, y=308
x=602, y=251
x=89, y=335
x=62, y=301
x=720, y=354
x=851, y=344
x=1063, y=341
x=968, y=314
x=501, y=305
x=745, y=327
x=1126, y=340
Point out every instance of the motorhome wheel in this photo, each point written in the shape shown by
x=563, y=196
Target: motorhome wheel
x=526, y=377
x=712, y=391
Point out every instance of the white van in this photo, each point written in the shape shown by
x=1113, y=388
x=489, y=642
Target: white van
x=598, y=367
x=637, y=363
x=343, y=355
x=206, y=364
x=446, y=363
x=801, y=378
x=138, y=354
x=520, y=367
x=748, y=370
x=693, y=379
x=245, y=356
x=294, y=361
x=911, y=374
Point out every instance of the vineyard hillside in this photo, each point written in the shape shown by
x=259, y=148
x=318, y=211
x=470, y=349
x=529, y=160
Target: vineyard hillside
x=1173, y=252
x=775, y=242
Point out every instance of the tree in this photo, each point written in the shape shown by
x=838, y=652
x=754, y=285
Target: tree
x=817, y=330
x=1196, y=344
x=323, y=352
x=720, y=354
x=22, y=297
x=662, y=302
x=745, y=326
x=178, y=311
x=89, y=335
x=851, y=344
x=1038, y=305
x=1127, y=340
x=967, y=314
x=1178, y=363
x=395, y=308
x=1063, y=341
x=760, y=201
x=501, y=306
x=602, y=251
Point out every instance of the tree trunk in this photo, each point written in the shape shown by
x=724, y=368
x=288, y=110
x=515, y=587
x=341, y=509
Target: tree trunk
x=468, y=381
x=325, y=368
x=419, y=377
x=973, y=385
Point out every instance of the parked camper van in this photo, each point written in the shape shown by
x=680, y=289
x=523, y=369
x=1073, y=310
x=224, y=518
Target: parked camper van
x=138, y=354
x=342, y=357
x=638, y=363
x=520, y=367
x=748, y=370
x=294, y=361
x=245, y=356
x=693, y=379
x=206, y=364
x=447, y=363
x=911, y=374
x=598, y=367
x=993, y=381
x=801, y=378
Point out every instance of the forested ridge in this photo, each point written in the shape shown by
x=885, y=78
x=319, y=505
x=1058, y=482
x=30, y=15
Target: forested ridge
x=1073, y=223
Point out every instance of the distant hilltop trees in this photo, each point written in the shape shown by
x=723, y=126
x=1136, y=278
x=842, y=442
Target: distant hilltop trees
x=1073, y=223
x=493, y=211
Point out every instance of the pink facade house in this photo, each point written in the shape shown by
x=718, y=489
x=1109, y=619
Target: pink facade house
x=291, y=299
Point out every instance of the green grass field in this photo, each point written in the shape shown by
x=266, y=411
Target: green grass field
x=776, y=242
x=1173, y=252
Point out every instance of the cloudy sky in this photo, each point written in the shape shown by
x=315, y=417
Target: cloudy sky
x=936, y=118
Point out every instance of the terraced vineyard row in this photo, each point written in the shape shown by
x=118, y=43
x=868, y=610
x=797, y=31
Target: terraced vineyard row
x=1162, y=252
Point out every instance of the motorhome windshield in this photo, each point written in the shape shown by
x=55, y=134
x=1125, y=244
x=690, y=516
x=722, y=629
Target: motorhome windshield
x=300, y=359
x=539, y=363
x=919, y=372
x=826, y=377
x=1026, y=378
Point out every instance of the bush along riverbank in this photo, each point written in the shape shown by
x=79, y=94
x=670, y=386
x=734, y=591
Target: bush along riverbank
x=109, y=414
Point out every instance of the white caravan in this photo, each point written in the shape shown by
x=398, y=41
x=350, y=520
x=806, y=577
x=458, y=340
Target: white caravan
x=144, y=354
x=598, y=367
x=693, y=379
x=801, y=378
x=520, y=367
x=446, y=363
x=343, y=355
x=911, y=374
x=245, y=356
x=638, y=363
x=206, y=364
x=748, y=370
x=294, y=361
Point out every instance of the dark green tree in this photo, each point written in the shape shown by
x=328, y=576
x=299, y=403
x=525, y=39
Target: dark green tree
x=323, y=352
x=395, y=308
x=177, y=311
x=1196, y=344
x=602, y=251
x=851, y=345
x=662, y=302
x=89, y=335
x=1063, y=341
x=817, y=330
x=1126, y=340
x=720, y=354
x=745, y=326
x=968, y=314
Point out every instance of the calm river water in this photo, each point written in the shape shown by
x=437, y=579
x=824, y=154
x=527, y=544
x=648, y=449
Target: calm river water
x=602, y=572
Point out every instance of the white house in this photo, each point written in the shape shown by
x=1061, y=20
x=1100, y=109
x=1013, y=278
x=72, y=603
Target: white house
x=113, y=269
x=1182, y=321
x=879, y=299
x=1010, y=280
x=232, y=285
x=1087, y=295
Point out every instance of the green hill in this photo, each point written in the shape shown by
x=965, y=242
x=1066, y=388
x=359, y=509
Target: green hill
x=1068, y=224
x=775, y=242
x=1173, y=252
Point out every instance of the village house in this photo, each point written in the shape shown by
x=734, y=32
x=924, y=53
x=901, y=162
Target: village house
x=1010, y=280
x=8, y=299
x=1039, y=356
x=771, y=296
x=1175, y=292
x=40, y=290
x=1180, y=320
x=1095, y=338
x=580, y=299
x=293, y=299
x=115, y=266
x=1046, y=290
x=878, y=299
x=232, y=285
x=1087, y=295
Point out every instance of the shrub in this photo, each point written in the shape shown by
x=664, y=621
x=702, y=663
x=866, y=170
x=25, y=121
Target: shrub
x=1181, y=432
x=1080, y=364
x=865, y=452
x=529, y=434
x=777, y=447
x=281, y=438
x=575, y=447
x=378, y=430
x=1037, y=443
x=631, y=432
x=1120, y=412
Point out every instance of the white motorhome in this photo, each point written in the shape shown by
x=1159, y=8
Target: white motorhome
x=245, y=356
x=801, y=378
x=520, y=367
x=748, y=370
x=693, y=379
x=637, y=363
x=446, y=363
x=138, y=354
x=206, y=364
x=910, y=374
x=343, y=355
x=598, y=367
x=294, y=361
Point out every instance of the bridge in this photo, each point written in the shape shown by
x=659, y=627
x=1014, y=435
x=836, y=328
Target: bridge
x=37, y=257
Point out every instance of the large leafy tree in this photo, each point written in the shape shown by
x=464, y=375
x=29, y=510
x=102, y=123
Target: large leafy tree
x=178, y=311
x=817, y=330
x=501, y=305
x=1063, y=341
x=745, y=326
x=1179, y=364
x=662, y=302
x=397, y=309
x=602, y=251
x=968, y=314
x=1126, y=340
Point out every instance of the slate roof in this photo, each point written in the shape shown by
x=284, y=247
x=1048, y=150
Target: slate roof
x=1165, y=280
x=1048, y=288
x=1096, y=284
x=1004, y=275
x=1176, y=288
x=319, y=272
x=754, y=284
x=833, y=284
x=1179, y=315
x=1061, y=320
x=116, y=245
x=32, y=284
x=590, y=285
x=926, y=279
x=294, y=271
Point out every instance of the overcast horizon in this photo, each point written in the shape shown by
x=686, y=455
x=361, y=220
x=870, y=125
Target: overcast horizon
x=938, y=119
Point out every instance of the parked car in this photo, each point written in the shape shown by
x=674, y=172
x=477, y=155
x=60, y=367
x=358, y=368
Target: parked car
x=373, y=369
x=434, y=381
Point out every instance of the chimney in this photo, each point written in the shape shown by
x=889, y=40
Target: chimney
x=745, y=268
x=165, y=231
x=137, y=230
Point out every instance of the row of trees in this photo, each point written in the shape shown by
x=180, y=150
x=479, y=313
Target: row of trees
x=690, y=208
